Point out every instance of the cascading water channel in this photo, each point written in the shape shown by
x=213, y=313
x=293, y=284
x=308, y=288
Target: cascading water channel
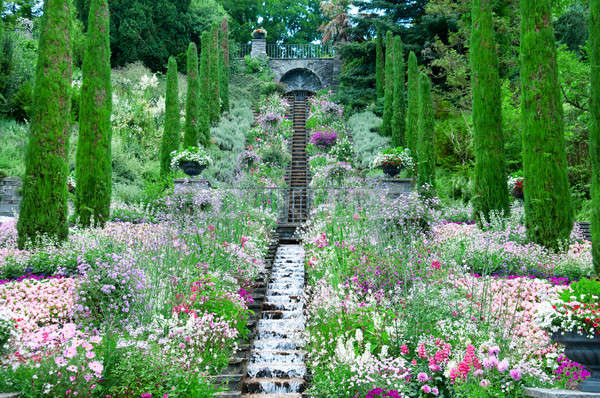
x=276, y=367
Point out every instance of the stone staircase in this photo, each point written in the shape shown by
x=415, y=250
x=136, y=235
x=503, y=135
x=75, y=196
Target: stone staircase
x=10, y=196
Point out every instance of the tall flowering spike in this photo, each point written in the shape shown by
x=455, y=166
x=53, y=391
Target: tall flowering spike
x=94, y=151
x=44, y=205
x=595, y=129
x=192, y=106
x=388, y=102
x=425, y=145
x=399, y=101
x=380, y=66
x=548, y=210
x=172, y=130
x=412, y=119
x=491, y=190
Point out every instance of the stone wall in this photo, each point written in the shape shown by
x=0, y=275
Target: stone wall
x=10, y=196
x=326, y=69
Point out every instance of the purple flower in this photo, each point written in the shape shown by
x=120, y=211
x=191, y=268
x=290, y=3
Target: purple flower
x=422, y=377
x=515, y=374
x=503, y=365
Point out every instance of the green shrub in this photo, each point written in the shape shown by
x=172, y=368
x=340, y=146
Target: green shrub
x=367, y=143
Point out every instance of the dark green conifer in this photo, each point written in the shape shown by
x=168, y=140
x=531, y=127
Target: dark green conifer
x=94, y=152
x=380, y=66
x=224, y=89
x=192, y=105
x=399, y=102
x=205, y=90
x=44, y=205
x=388, y=101
x=425, y=144
x=214, y=73
x=412, y=119
x=172, y=130
x=548, y=210
x=491, y=190
x=595, y=129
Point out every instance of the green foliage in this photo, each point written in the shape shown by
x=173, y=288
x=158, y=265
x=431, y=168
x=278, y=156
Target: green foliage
x=595, y=129
x=214, y=71
x=94, y=154
x=571, y=28
x=192, y=105
x=380, y=67
x=412, y=117
x=367, y=142
x=388, y=102
x=425, y=144
x=205, y=93
x=357, y=78
x=44, y=206
x=399, y=101
x=224, y=46
x=172, y=128
x=12, y=150
x=491, y=191
x=585, y=290
x=549, y=214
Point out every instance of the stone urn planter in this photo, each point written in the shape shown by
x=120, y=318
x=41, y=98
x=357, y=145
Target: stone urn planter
x=192, y=168
x=585, y=351
x=391, y=170
x=518, y=195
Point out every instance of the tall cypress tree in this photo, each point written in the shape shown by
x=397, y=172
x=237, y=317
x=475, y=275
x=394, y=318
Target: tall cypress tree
x=388, y=102
x=399, y=102
x=412, y=119
x=548, y=210
x=44, y=205
x=595, y=129
x=425, y=143
x=94, y=153
x=224, y=89
x=214, y=73
x=192, y=105
x=380, y=66
x=172, y=130
x=491, y=190
x=205, y=90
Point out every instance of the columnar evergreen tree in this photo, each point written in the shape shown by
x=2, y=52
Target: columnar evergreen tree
x=425, y=143
x=412, y=119
x=595, y=129
x=380, y=67
x=214, y=73
x=94, y=153
x=192, y=105
x=388, y=101
x=224, y=89
x=205, y=93
x=491, y=190
x=548, y=210
x=399, y=102
x=44, y=205
x=172, y=131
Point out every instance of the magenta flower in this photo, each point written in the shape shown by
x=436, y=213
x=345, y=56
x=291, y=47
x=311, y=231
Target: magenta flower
x=515, y=374
x=422, y=377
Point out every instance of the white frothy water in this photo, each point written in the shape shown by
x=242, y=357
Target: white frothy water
x=277, y=362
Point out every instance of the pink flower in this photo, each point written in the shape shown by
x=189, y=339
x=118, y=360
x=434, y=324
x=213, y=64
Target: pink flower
x=503, y=366
x=60, y=361
x=96, y=367
x=435, y=391
x=422, y=377
x=146, y=395
x=426, y=389
x=485, y=383
x=70, y=352
x=90, y=355
x=515, y=374
x=436, y=265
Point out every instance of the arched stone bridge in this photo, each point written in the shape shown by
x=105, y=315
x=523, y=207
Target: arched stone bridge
x=300, y=67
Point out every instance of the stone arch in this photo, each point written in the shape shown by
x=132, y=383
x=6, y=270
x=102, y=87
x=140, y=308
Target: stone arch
x=301, y=79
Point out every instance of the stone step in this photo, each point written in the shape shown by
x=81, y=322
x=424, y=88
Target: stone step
x=257, y=385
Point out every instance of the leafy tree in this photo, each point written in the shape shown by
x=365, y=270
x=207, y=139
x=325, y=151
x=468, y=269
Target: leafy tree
x=548, y=211
x=399, y=103
x=214, y=71
x=224, y=89
x=192, y=105
x=388, y=103
x=392, y=15
x=412, y=120
x=425, y=144
x=172, y=131
x=205, y=92
x=380, y=67
x=357, y=77
x=595, y=129
x=94, y=154
x=491, y=191
x=571, y=28
x=44, y=205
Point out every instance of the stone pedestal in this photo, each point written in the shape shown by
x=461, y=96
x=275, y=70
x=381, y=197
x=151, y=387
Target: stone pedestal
x=10, y=196
x=395, y=186
x=552, y=393
x=259, y=48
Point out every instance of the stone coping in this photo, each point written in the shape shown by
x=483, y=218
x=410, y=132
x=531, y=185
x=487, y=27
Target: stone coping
x=554, y=393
